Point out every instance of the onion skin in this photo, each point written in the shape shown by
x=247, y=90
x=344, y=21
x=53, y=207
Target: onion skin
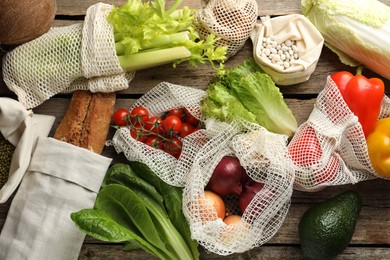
x=250, y=190
x=24, y=20
x=228, y=177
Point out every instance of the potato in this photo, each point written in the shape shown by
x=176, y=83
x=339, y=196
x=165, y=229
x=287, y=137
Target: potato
x=24, y=20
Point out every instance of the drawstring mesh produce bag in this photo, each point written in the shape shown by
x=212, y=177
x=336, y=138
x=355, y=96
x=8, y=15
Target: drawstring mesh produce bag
x=287, y=48
x=160, y=99
x=76, y=57
x=230, y=20
x=330, y=148
x=263, y=155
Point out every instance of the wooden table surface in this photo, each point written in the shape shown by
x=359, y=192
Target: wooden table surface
x=371, y=239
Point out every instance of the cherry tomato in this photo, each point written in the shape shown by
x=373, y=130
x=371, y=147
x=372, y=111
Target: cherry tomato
x=154, y=124
x=179, y=112
x=173, y=146
x=121, y=117
x=217, y=203
x=172, y=125
x=138, y=134
x=139, y=115
x=154, y=141
x=189, y=118
x=186, y=129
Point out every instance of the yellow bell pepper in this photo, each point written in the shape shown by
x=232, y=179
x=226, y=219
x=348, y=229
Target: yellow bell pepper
x=378, y=143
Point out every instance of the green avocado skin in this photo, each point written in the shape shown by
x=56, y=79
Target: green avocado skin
x=326, y=229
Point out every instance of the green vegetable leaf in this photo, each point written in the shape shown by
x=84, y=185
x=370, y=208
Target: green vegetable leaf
x=98, y=224
x=172, y=197
x=258, y=93
x=136, y=207
x=130, y=211
x=246, y=92
x=145, y=29
x=224, y=106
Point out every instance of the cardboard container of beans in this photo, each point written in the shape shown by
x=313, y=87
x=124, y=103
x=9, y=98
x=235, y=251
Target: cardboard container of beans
x=287, y=48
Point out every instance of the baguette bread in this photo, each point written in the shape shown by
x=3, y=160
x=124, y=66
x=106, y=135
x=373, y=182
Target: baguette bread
x=87, y=120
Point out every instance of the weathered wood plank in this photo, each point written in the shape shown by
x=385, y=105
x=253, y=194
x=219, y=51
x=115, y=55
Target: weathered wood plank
x=114, y=252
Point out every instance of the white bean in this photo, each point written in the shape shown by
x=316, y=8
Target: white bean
x=286, y=65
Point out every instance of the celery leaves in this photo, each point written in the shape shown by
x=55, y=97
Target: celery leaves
x=145, y=28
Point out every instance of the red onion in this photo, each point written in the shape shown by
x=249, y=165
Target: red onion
x=249, y=192
x=228, y=177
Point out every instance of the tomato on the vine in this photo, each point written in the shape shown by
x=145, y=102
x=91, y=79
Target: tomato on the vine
x=173, y=146
x=154, y=124
x=179, y=112
x=155, y=141
x=189, y=118
x=138, y=134
x=172, y=125
x=186, y=129
x=121, y=117
x=139, y=115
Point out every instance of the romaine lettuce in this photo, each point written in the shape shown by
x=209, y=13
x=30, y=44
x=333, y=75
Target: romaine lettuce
x=246, y=92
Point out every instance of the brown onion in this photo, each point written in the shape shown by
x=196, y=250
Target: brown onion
x=25, y=20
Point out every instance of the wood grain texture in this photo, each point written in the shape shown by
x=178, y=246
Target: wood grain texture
x=370, y=240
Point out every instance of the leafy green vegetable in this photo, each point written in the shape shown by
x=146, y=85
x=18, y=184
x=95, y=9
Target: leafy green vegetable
x=134, y=209
x=246, y=92
x=357, y=31
x=148, y=35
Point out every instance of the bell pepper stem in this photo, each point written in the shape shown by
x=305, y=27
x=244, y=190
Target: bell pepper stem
x=359, y=70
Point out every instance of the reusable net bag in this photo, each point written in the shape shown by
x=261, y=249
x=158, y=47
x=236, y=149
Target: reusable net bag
x=330, y=147
x=65, y=59
x=287, y=47
x=160, y=99
x=230, y=20
x=263, y=155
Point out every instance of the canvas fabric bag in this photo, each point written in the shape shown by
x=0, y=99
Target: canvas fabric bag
x=230, y=20
x=294, y=27
x=77, y=57
x=21, y=128
x=330, y=148
x=61, y=179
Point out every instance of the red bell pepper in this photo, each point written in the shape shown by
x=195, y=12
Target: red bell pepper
x=362, y=95
x=306, y=152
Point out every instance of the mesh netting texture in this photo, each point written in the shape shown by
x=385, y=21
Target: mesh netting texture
x=231, y=20
x=65, y=59
x=262, y=154
x=160, y=99
x=329, y=149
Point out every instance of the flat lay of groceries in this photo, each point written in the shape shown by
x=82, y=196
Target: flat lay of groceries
x=214, y=167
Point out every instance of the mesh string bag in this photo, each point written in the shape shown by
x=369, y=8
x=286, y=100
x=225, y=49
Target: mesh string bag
x=329, y=149
x=65, y=59
x=263, y=155
x=230, y=20
x=160, y=99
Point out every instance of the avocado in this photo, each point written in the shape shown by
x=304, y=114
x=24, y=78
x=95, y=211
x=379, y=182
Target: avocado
x=326, y=229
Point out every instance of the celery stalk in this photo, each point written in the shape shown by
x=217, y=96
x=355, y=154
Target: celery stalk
x=148, y=59
x=157, y=42
x=140, y=26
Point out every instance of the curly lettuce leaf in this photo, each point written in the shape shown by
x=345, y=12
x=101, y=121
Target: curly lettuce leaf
x=246, y=92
